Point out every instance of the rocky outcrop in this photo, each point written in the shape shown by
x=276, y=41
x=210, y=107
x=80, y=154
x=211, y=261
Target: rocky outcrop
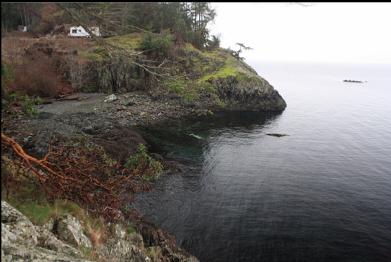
x=125, y=246
x=70, y=230
x=87, y=67
x=249, y=94
x=63, y=239
x=23, y=241
x=237, y=86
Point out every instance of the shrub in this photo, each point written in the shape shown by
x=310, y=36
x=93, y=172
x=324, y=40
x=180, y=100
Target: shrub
x=28, y=104
x=37, y=78
x=159, y=45
x=144, y=165
x=176, y=85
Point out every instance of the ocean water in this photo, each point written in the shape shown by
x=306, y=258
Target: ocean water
x=322, y=193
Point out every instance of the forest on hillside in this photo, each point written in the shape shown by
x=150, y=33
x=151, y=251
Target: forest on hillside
x=187, y=21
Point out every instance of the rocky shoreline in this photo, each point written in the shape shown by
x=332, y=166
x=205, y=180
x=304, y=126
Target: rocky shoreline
x=110, y=124
x=217, y=82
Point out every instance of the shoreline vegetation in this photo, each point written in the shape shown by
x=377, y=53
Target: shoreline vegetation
x=72, y=156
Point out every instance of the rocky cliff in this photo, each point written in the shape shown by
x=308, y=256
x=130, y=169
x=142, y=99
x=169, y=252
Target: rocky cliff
x=207, y=79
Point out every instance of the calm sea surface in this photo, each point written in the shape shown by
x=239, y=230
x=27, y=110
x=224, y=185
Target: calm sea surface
x=323, y=193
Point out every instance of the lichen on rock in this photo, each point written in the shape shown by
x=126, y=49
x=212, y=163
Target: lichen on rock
x=69, y=229
x=64, y=240
x=23, y=241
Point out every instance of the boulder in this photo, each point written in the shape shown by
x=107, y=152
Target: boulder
x=125, y=246
x=70, y=230
x=110, y=98
x=23, y=241
x=16, y=228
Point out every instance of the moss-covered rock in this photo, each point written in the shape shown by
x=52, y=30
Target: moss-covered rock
x=203, y=79
x=241, y=88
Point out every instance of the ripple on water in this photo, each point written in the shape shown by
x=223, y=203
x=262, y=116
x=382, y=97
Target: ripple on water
x=320, y=194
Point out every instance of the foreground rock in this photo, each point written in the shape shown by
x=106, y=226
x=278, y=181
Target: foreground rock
x=22, y=241
x=70, y=230
x=64, y=241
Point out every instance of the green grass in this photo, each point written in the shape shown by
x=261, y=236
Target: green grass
x=96, y=54
x=129, y=41
x=230, y=68
x=39, y=214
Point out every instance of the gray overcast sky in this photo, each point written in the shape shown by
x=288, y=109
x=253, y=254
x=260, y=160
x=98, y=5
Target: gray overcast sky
x=322, y=32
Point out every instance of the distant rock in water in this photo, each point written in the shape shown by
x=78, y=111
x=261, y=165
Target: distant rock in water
x=353, y=81
x=276, y=134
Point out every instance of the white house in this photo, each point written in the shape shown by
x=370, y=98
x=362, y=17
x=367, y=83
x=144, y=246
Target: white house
x=79, y=31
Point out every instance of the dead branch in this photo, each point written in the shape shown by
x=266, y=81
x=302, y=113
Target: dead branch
x=81, y=175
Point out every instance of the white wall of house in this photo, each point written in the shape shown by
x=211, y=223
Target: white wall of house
x=79, y=31
x=22, y=28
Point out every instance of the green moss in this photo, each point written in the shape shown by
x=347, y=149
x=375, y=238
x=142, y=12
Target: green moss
x=230, y=68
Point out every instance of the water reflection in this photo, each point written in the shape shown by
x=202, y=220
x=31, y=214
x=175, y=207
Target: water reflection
x=188, y=139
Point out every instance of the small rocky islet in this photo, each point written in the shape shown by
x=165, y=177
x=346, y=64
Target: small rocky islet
x=353, y=81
